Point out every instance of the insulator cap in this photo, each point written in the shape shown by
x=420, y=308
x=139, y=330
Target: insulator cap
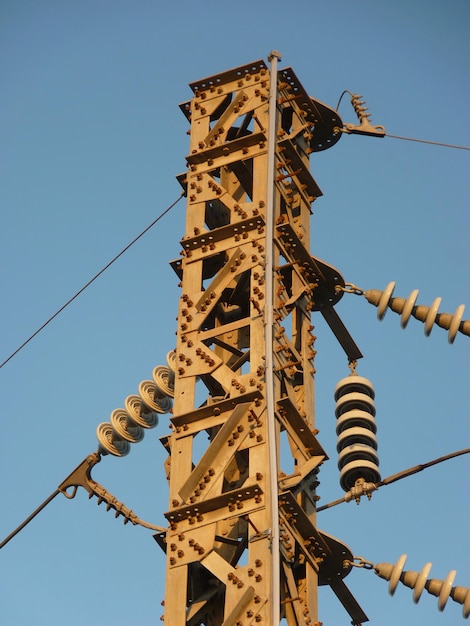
x=354, y=384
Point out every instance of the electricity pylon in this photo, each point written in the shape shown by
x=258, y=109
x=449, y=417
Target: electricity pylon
x=242, y=545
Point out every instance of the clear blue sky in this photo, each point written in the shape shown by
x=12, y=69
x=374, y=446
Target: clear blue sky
x=92, y=140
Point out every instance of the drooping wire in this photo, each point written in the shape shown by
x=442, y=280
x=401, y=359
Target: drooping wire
x=403, y=474
x=80, y=291
x=342, y=96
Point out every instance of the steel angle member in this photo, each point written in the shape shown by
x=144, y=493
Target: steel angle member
x=238, y=263
x=220, y=451
x=226, y=505
x=295, y=424
x=197, y=360
x=226, y=153
x=308, y=187
x=241, y=607
x=218, y=566
x=224, y=236
x=303, y=477
x=215, y=409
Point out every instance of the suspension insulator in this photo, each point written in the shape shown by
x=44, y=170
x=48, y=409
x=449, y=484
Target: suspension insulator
x=110, y=442
x=171, y=362
x=427, y=314
x=126, y=427
x=163, y=379
x=356, y=428
x=418, y=581
x=158, y=403
x=140, y=413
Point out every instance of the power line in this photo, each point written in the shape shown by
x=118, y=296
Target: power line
x=433, y=143
x=80, y=291
x=403, y=474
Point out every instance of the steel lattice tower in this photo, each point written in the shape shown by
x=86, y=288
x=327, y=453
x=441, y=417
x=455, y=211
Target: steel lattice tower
x=242, y=545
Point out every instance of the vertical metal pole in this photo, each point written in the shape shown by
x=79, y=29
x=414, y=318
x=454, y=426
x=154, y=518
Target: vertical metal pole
x=269, y=321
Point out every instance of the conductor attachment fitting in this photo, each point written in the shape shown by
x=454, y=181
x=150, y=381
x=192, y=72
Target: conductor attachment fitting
x=365, y=127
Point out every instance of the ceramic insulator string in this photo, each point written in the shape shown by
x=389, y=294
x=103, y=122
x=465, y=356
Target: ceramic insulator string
x=418, y=581
x=141, y=411
x=429, y=315
x=356, y=430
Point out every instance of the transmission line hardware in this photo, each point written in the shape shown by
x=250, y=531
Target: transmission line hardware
x=418, y=581
x=127, y=425
x=358, y=460
x=365, y=127
x=427, y=314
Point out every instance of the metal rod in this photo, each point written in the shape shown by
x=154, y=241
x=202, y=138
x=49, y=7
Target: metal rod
x=269, y=324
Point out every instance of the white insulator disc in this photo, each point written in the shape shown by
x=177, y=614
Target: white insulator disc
x=421, y=582
x=354, y=383
x=358, y=469
x=384, y=300
x=161, y=377
x=356, y=418
x=351, y=401
x=357, y=452
x=140, y=414
x=455, y=323
x=149, y=394
x=356, y=435
x=408, y=308
x=110, y=442
x=125, y=427
x=446, y=589
x=171, y=362
x=431, y=316
x=396, y=573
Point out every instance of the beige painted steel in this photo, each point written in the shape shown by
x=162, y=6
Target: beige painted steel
x=218, y=543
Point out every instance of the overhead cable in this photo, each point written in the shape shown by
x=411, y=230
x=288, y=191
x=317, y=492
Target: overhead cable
x=80, y=291
x=391, y=479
